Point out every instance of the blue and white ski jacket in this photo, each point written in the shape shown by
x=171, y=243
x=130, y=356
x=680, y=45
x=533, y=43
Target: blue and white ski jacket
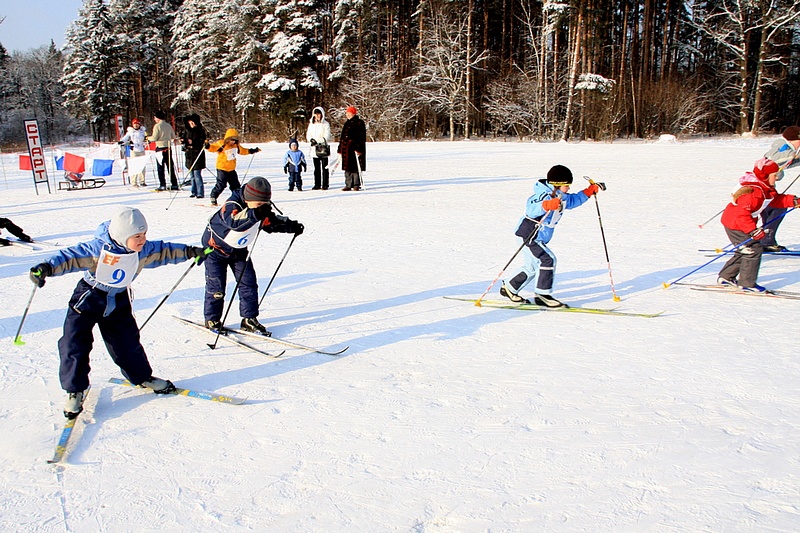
x=535, y=214
x=85, y=256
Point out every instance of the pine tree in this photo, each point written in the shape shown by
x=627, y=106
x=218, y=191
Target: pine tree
x=94, y=84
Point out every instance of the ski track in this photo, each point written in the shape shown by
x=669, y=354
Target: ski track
x=442, y=417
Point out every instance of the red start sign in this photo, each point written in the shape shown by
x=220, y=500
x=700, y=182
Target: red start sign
x=36, y=151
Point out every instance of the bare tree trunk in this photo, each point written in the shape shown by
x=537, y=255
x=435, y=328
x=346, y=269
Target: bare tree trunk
x=743, y=107
x=468, y=91
x=573, y=73
x=762, y=57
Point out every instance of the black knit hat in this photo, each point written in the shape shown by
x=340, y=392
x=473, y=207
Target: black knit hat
x=559, y=175
x=257, y=190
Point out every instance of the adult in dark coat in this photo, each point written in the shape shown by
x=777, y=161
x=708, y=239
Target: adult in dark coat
x=353, y=149
x=194, y=137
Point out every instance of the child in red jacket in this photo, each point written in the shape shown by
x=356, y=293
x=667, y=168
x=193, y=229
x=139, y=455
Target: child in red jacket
x=757, y=191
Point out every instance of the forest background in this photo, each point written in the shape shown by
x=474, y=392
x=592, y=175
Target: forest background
x=583, y=69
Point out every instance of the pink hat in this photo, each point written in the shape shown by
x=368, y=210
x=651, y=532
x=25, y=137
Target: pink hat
x=764, y=167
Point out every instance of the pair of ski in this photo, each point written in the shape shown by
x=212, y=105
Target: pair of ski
x=502, y=304
x=69, y=425
x=785, y=253
x=229, y=334
x=30, y=245
x=788, y=295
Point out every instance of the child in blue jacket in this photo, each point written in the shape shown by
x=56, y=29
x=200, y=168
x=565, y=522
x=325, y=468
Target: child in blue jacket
x=550, y=198
x=293, y=164
x=230, y=232
x=109, y=262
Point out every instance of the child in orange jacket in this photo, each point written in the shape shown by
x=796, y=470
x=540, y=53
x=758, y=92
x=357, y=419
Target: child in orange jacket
x=227, y=149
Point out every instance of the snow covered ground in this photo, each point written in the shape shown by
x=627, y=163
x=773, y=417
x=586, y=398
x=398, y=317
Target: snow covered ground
x=441, y=416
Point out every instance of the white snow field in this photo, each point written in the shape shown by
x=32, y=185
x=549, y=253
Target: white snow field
x=441, y=416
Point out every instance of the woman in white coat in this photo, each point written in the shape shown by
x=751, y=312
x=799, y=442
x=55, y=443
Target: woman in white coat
x=319, y=135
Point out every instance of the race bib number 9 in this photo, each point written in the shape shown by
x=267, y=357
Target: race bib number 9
x=116, y=270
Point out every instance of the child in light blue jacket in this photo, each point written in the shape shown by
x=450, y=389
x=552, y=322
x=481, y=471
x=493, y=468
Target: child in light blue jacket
x=293, y=164
x=550, y=198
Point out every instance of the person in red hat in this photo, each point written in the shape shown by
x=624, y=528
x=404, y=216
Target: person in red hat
x=353, y=149
x=739, y=219
x=785, y=151
x=135, y=136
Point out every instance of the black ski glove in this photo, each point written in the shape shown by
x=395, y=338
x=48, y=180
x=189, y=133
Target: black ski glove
x=39, y=272
x=313, y=142
x=198, y=253
x=263, y=211
x=295, y=227
x=206, y=145
x=286, y=168
x=254, y=150
x=303, y=167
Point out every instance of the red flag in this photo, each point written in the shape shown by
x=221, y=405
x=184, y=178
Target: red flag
x=74, y=163
x=25, y=162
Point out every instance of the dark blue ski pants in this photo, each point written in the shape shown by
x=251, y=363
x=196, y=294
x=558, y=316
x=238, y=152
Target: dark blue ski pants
x=217, y=266
x=119, y=331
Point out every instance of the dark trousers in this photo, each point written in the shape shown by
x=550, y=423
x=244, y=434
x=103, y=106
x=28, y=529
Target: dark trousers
x=119, y=331
x=746, y=261
x=166, y=160
x=216, y=280
x=225, y=178
x=772, y=214
x=295, y=180
x=321, y=174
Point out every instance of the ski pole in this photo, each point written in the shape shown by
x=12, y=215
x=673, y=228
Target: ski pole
x=667, y=285
x=360, y=173
x=727, y=249
x=235, y=290
x=164, y=299
x=17, y=337
x=276, y=271
x=189, y=173
x=252, y=156
x=603, y=235
x=524, y=243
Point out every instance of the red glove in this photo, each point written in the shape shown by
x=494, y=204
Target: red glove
x=591, y=190
x=758, y=234
x=551, y=205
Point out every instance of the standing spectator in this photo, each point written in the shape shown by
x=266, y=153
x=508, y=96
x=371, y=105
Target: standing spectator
x=136, y=136
x=293, y=164
x=352, y=145
x=227, y=149
x=786, y=153
x=194, y=138
x=163, y=135
x=319, y=135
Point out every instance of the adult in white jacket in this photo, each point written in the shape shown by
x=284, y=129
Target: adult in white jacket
x=319, y=135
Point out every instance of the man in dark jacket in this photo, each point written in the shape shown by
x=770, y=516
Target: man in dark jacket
x=194, y=137
x=353, y=149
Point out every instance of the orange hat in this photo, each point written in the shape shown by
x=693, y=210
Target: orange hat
x=135, y=121
x=352, y=110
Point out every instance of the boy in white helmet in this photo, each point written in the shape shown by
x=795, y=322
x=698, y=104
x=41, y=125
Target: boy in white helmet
x=110, y=262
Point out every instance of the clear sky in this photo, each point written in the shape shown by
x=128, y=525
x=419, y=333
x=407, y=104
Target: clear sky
x=33, y=23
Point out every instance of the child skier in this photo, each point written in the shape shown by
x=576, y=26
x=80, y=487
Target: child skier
x=14, y=230
x=543, y=211
x=227, y=149
x=110, y=262
x=757, y=191
x=293, y=164
x=229, y=232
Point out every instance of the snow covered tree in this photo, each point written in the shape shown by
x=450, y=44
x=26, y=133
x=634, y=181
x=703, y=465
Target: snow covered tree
x=93, y=71
x=291, y=28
